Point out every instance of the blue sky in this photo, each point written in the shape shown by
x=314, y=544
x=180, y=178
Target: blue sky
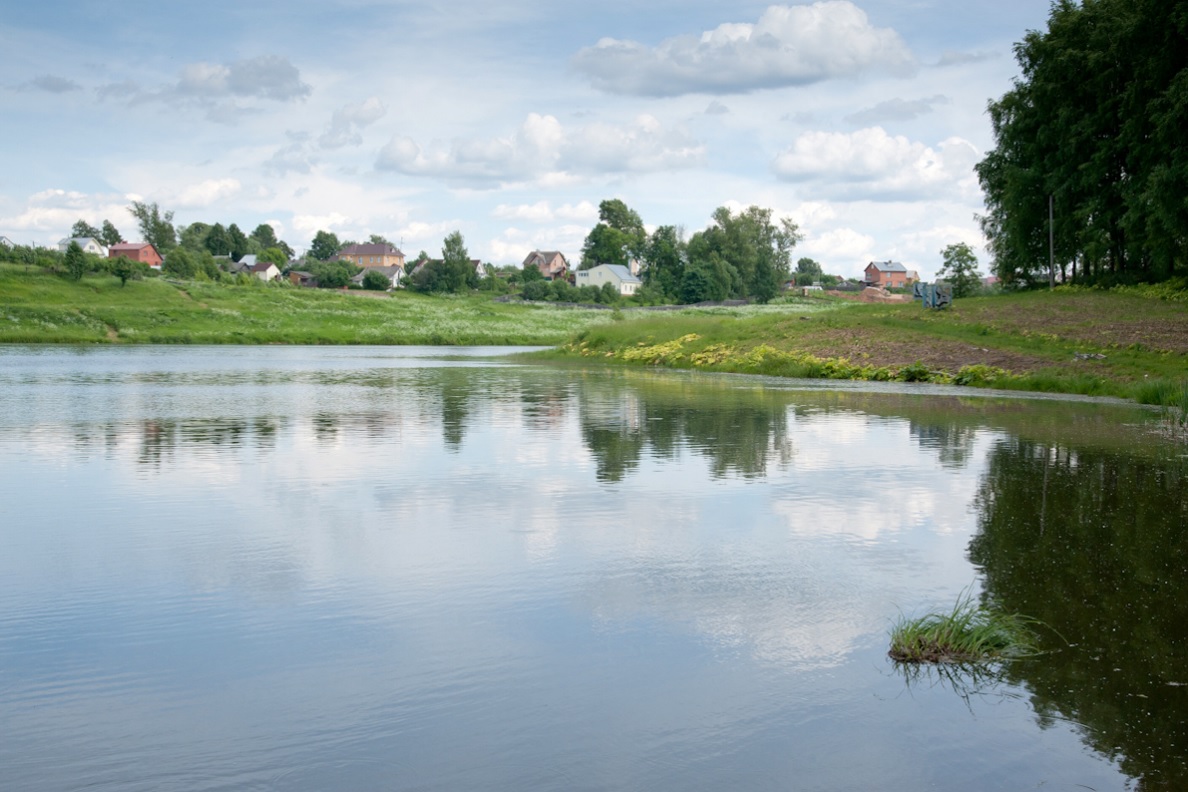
x=859, y=120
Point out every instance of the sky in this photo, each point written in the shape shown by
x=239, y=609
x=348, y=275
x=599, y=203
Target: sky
x=509, y=122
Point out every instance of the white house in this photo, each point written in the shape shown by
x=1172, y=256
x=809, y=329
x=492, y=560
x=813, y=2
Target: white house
x=265, y=271
x=88, y=244
x=394, y=274
x=620, y=276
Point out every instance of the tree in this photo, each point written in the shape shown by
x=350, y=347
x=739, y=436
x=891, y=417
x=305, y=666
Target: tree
x=109, y=235
x=265, y=236
x=743, y=255
x=376, y=239
x=618, y=237
x=454, y=272
x=273, y=255
x=156, y=228
x=180, y=263
x=530, y=274
x=193, y=236
x=664, y=261
x=239, y=242
x=960, y=269
x=76, y=261
x=1094, y=125
x=126, y=269
x=808, y=266
x=217, y=240
x=324, y=246
x=82, y=228
x=333, y=274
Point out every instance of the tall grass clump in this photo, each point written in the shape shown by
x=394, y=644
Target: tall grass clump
x=968, y=633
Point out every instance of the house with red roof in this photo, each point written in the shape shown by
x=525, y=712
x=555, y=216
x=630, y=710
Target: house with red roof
x=137, y=251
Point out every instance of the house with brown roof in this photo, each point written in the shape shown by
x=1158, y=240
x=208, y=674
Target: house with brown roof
x=383, y=254
x=137, y=251
x=551, y=263
x=886, y=274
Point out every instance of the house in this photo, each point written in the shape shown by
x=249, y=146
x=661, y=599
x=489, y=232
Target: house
x=885, y=274
x=264, y=270
x=88, y=245
x=393, y=274
x=551, y=263
x=616, y=274
x=6, y=242
x=137, y=251
x=383, y=254
x=302, y=278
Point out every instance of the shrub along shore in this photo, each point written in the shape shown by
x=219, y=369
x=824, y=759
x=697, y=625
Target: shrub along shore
x=1131, y=343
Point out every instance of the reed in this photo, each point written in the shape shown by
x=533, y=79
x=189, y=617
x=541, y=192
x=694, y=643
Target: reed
x=969, y=633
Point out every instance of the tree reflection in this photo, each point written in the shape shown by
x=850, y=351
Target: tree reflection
x=1095, y=545
x=739, y=431
x=953, y=442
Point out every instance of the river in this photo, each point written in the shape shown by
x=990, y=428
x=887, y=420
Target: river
x=313, y=568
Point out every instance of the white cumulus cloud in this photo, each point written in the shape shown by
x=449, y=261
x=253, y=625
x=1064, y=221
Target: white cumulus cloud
x=544, y=212
x=873, y=165
x=207, y=193
x=348, y=121
x=545, y=151
x=788, y=45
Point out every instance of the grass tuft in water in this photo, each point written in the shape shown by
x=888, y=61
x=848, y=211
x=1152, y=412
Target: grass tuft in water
x=967, y=634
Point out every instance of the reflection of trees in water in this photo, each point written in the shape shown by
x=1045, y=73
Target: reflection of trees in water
x=1095, y=545
x=953, y=442
x=740, y=432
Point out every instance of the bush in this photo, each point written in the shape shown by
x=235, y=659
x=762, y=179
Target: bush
x=376, y=281
x=536, y=291
x=561, y=291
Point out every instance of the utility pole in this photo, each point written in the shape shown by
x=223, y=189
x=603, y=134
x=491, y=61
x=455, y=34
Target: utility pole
x=1051, y=246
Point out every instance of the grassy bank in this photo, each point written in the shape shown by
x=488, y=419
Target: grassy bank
x=39, y=307
x=1126, y=344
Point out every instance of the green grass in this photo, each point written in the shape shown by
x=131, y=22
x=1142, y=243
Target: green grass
x=38, y=307
x=1130, y=343
x=1069, y=341
x=966, y=634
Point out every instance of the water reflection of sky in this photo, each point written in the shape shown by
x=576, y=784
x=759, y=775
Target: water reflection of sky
x=535, y=578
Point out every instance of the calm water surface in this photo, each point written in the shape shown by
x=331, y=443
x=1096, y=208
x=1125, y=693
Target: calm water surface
x=421, y=569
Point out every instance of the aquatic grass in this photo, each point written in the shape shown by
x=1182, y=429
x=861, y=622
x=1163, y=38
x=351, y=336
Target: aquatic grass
x=969, y=633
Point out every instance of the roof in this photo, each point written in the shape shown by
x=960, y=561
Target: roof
x=80, y=241
x=622, y=273
x=261, y=266
x=887, y=266
x=249, y=260
x=369, y=249
x=547, y=255
x=129, y=246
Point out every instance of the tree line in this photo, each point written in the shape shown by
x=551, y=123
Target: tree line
x=1095, y=125
x=739, y=256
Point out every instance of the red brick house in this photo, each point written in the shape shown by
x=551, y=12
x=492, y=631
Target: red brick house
x=887, y=274
x=137, y=251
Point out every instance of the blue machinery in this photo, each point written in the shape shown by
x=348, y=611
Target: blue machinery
x=933, y=295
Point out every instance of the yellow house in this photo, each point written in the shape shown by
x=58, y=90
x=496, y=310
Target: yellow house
x=384, y=254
